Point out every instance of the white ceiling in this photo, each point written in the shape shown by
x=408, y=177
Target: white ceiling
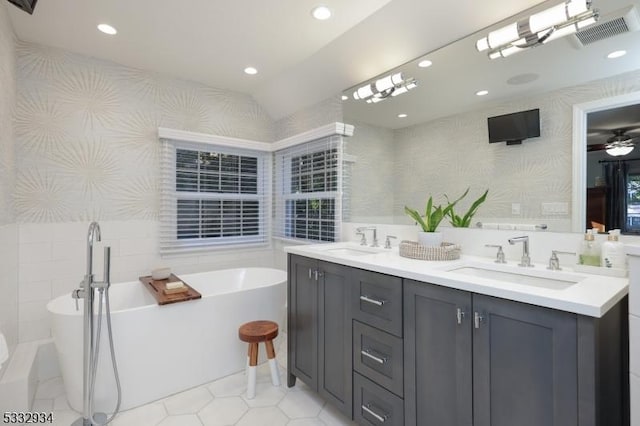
x=301, y=60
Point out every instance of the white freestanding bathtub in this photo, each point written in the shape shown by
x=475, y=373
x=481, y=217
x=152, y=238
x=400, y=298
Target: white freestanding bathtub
x=162, y=350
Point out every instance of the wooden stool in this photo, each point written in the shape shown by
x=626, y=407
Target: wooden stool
x=253, y=333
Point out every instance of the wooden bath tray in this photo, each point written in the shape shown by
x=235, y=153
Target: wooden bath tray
x=157, y=287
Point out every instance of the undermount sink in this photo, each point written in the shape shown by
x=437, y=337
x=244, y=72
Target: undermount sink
x=552, y=280
x=349, y=251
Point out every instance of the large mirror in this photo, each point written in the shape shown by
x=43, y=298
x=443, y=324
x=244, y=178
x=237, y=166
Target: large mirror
x=433, y=140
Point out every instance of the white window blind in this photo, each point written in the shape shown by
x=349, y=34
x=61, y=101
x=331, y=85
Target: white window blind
x=309, y=190
x=213, y=196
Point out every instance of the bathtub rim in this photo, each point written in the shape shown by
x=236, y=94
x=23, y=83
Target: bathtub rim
x=58, y=300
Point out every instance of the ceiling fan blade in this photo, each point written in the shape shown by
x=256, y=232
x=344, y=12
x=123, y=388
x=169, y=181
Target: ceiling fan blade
x=596, y=147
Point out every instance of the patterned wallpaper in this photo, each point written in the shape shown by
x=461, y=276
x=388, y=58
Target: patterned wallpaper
x=327, y=111
x=86, y=133
x=371, y=173
x=7, y=102
x=448, y=155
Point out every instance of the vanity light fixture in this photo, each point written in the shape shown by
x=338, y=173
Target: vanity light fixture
x=482, y=92
x=250, y=71
x=402, y=115
x=616, y=54
x=425, y=63
x=107, y=29
x=321, y=13
x=558, y=21
x=381, y=89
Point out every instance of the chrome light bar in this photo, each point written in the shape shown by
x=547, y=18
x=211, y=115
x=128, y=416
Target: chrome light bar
x=542, y=27
x=379, y=90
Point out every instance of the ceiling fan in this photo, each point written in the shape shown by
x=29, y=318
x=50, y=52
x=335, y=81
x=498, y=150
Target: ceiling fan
x=621, y=143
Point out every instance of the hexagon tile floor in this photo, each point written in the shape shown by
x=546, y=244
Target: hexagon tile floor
x=222, y=402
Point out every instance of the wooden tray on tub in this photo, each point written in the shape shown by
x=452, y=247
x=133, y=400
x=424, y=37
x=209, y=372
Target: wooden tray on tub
x=158, y=287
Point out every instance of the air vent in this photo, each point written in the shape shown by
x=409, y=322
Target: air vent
x=619, y=22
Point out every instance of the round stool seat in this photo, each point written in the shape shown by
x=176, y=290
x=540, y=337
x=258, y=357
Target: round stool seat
x=258, y=331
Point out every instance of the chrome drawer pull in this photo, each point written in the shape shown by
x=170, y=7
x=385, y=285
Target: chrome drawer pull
x=477, y=319
x=378, y=417
x=368, y=354
x=372, y=301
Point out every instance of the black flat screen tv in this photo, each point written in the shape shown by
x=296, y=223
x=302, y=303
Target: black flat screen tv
x=514, y=128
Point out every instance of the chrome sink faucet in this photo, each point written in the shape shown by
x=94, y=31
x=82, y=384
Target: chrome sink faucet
x=526, y=260
x=360, y=231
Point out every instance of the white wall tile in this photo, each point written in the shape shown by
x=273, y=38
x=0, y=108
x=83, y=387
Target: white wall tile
x=34, y=291
x=33, y=311
x=66, y=250
x=35, y=252
x=135, y=246
x=34, y=330
x=63, y=286
x=36, y=272
x=35, y=233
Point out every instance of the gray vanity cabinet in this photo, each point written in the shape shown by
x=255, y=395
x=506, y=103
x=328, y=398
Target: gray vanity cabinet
x=319, y=329
x=477, y=360
x=437, y=355
x=524, y=364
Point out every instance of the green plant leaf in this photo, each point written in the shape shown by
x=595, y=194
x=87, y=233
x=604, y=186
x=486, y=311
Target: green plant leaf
x=416, y=216
x=472, y=210
x=465, y=220
x=427, y=214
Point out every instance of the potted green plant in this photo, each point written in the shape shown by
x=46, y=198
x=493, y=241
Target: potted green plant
x=429, y=222
x=465, y=220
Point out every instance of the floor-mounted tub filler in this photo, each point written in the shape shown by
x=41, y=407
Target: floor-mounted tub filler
x=92, y=332
x=162, y=350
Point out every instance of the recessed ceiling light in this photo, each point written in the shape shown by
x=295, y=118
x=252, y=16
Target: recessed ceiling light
x=402, y=115
x=425, y=63
x=321, y=12
x=344, y=98
x=250, y=71
x=616, y=54
x=482, y=92
x=107, y=29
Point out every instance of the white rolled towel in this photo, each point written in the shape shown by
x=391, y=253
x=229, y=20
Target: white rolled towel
x=4, y=350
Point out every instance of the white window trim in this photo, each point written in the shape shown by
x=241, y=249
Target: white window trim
x=331, y=129
x=169, y=243
x=283, y=192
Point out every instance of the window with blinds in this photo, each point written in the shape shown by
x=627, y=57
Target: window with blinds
x=309, y=190
x=213, y=196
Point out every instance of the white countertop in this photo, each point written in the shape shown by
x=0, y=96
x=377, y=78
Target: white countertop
x=592, y=295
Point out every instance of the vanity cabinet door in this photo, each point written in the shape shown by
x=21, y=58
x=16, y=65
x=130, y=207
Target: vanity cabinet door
x=524, y=364
x=437, y=356
x=302, y=321
x=334, y=336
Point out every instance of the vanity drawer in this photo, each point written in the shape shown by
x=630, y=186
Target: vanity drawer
x=377, y=300
x=378, y=356
x=374, y=405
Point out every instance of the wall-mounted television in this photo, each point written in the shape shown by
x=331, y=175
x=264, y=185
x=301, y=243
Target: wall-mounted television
x=26, y=5
x=514, y=128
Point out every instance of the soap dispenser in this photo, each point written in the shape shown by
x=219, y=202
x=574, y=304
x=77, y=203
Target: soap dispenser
x=589, y=251
x=613, y=255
